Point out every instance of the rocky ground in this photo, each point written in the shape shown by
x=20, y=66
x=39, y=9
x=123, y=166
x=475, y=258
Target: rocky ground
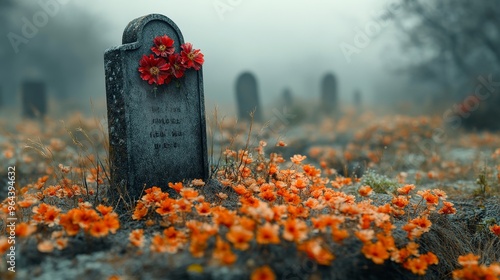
x=385, y=153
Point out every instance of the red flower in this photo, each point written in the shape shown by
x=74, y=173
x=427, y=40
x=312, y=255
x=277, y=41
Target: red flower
x=164, y=46
x=154, y=70
x=191, y=58
x=176, y=67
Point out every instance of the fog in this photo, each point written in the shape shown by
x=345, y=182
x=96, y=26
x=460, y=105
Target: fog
x=284, y=43
x=392, y=51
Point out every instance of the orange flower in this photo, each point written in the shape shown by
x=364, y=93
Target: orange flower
x=295, y=230
x=222, y=216
x=406, y=189
x=46, y=214
x=189, y=193
x=61, y=243
x=85, y=218
x=447, y=208
x=268, y=195
x=468, y=260
x=136, y=238
x=268, y=234
x=417, y=227
x=112, y=222
x=184, y=205
x=495, y=229
x=430, y=258
x=299, y=183
x=365, y=235
x=203, y=208
x=263, y=273
x=365, y=190
x=339, y=234
x=153, y=195
x=104, y=210
x=386, y=209
x=317, y=252
x=429, y=197
x=240, y=237
x=400, y=201
x=45, y=246
x=376, y=252
x=69, y=223
x=4, y=245
x=241, y=190
x=416, y=265
x=167, y=206
x=24, y=229
x=387, y=241
x=141, y=210
x=223, y=253
x=177, y=186
x=365, y=221
x=311, y=171
x=159, y=244
x=198, y=183
x=440, y=193
x=8, y=153
x=297, y=159
x=99, y=229
x=222, y=195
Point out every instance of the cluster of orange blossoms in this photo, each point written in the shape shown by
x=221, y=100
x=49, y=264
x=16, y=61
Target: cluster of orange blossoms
x=294, y=205
x=472, y=270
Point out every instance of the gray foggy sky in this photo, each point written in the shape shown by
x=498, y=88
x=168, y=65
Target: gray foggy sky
x=285, y=43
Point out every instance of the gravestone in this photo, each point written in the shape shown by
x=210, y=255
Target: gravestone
x=357, y=98
x=287, y=98
x=247, y=97
x=329, y=98
x=158, y=135
x=34, y=99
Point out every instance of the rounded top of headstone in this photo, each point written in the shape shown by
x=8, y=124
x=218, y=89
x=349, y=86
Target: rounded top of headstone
x=329, y=77
x=134, y=30
x=247, y=76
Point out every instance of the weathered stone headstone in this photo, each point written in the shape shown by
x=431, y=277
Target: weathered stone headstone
x=329, y=98
x=357, y=98
x=156, y=137
x=247, y=97
x=34, y=99
x=287, y=98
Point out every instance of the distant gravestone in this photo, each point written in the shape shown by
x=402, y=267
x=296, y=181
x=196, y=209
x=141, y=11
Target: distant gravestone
x=34, y=99
x=247, y=97
x=288, y=98
x=357, y=98
x=329, y=97
x=156, y=137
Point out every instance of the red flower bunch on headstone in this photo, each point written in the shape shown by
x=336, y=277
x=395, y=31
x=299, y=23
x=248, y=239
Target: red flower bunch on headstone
x=164, y=65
